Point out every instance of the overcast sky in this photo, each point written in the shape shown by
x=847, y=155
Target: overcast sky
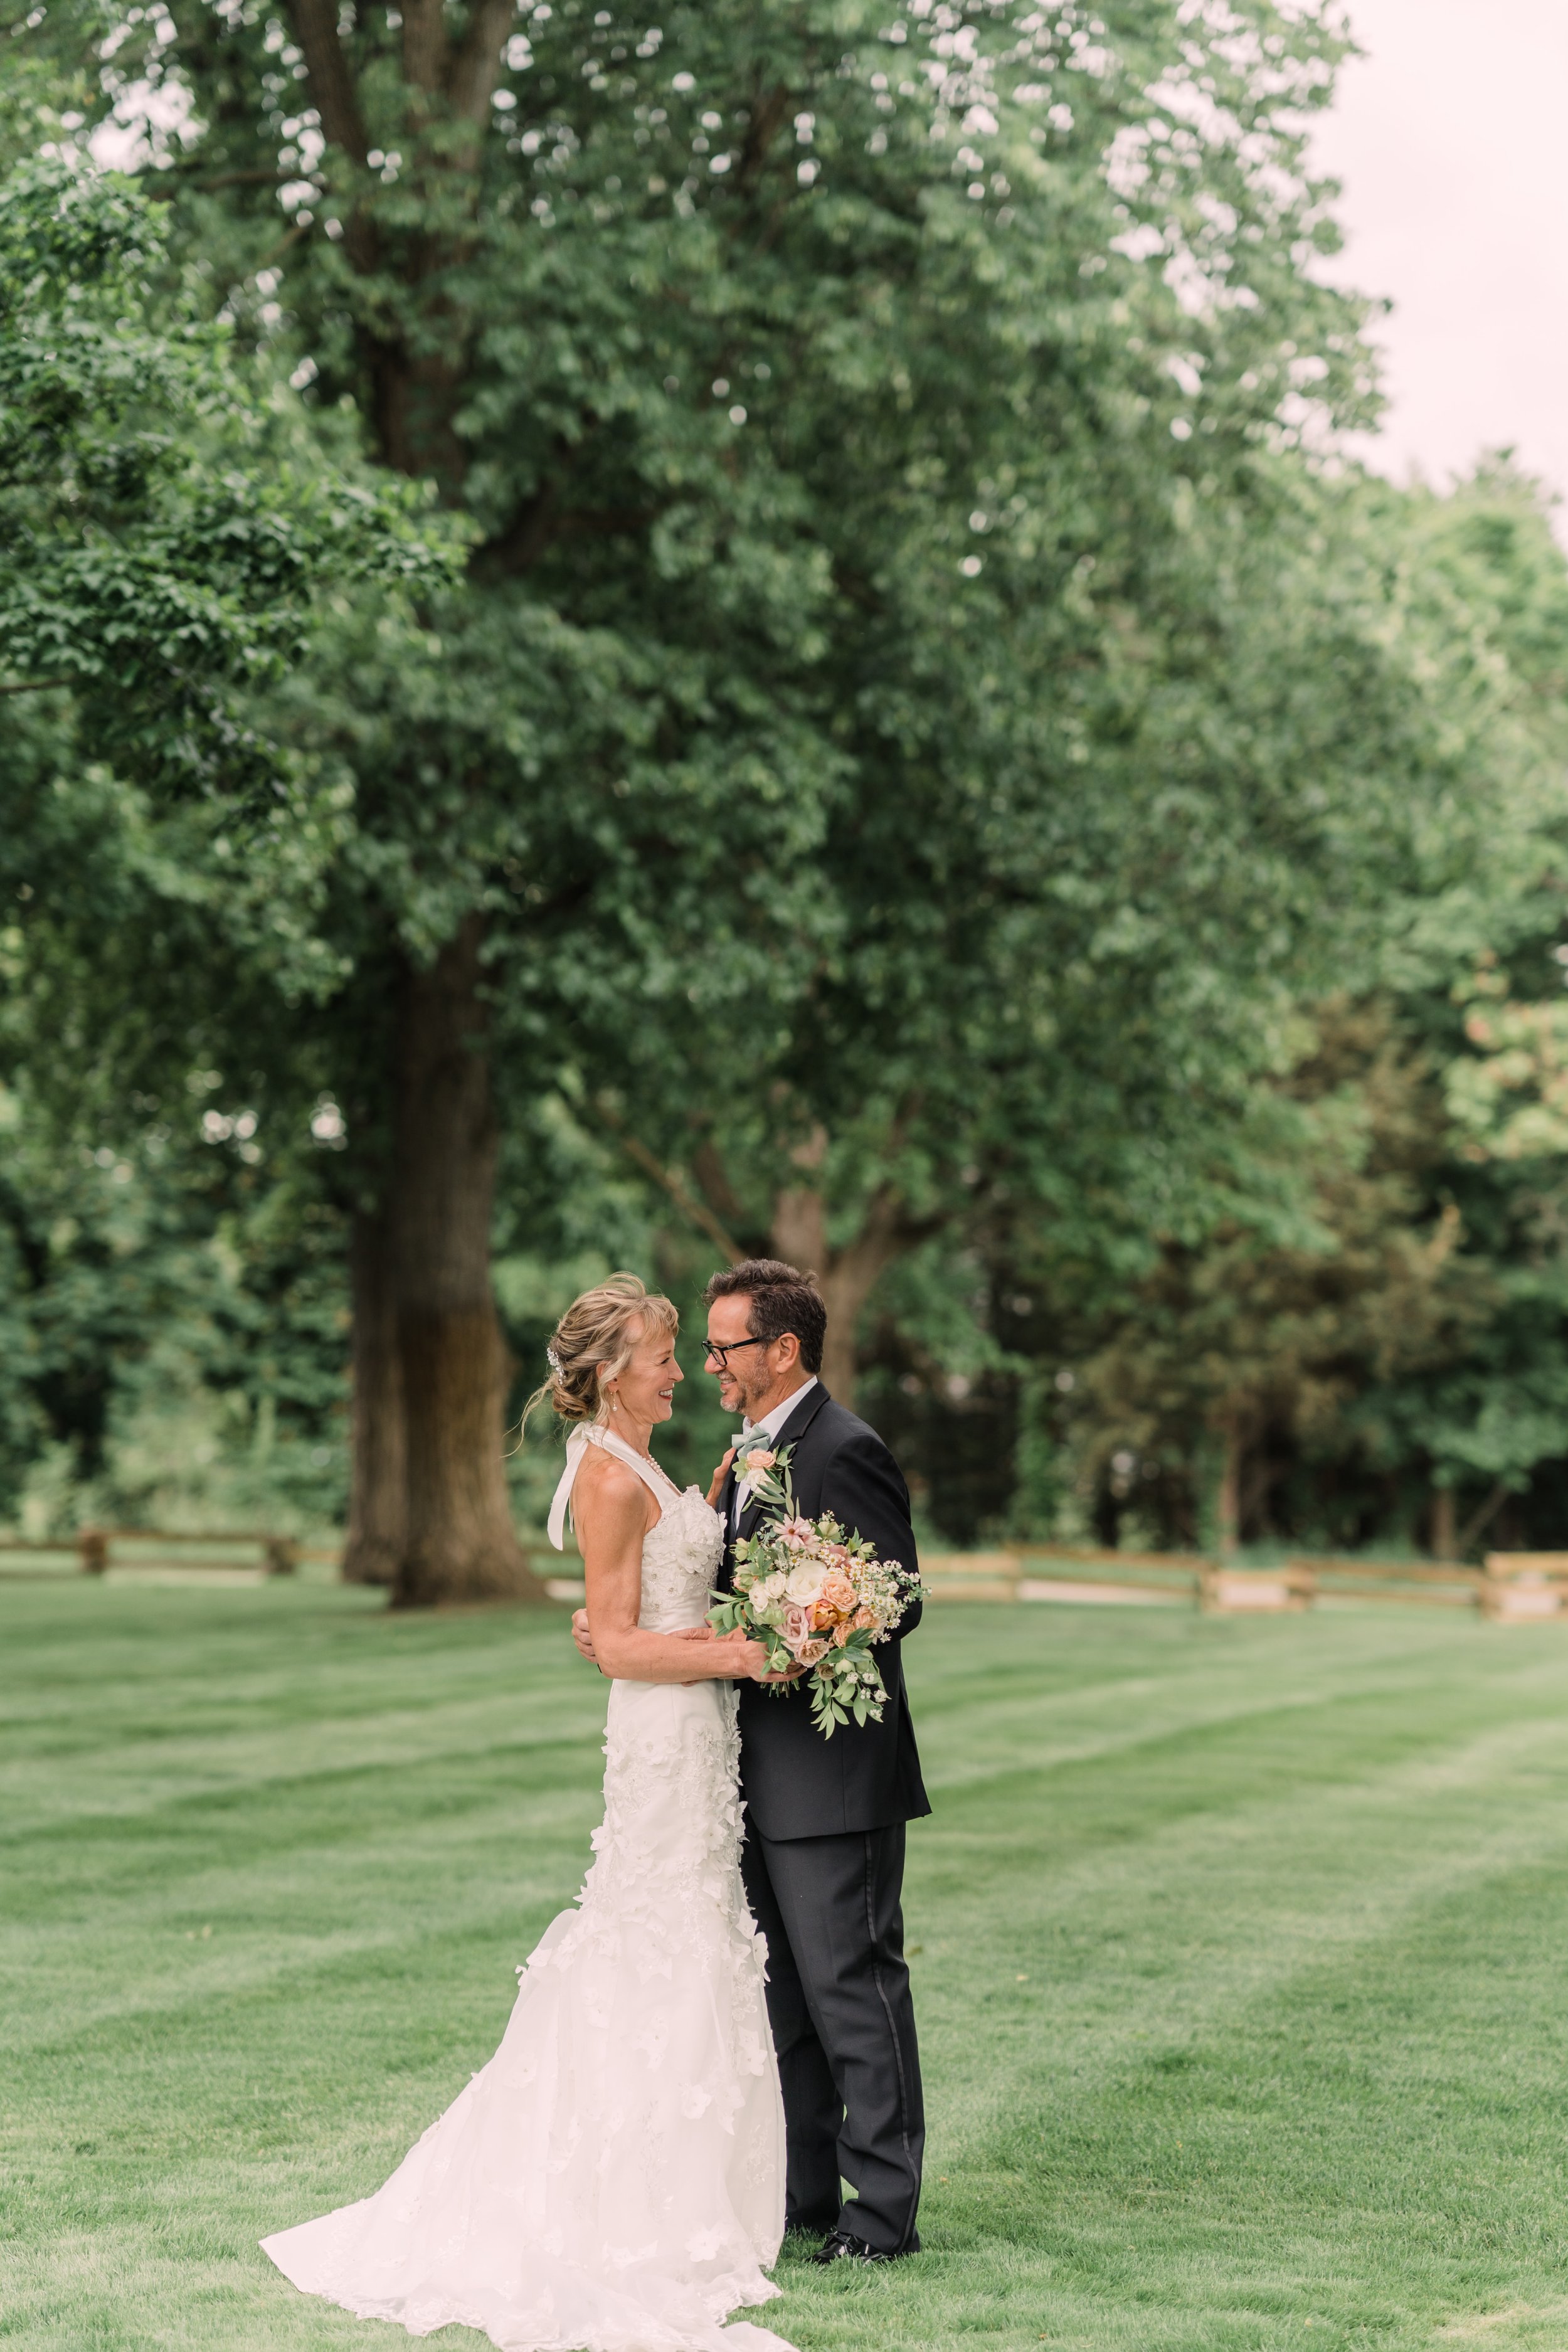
x=1450, y=138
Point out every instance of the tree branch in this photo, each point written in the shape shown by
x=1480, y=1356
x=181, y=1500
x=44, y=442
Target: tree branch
x=167, y=184
x=476, y=69
x=877, y=1243
x=332, y=84
x=37, y=684
x=670, y=1182
x=275, y=252
x=767, y=115
x=539, y=523
x=715, y=1185
x=525, y=539
x=424, y=44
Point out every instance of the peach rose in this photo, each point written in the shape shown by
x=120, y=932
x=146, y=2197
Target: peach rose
x=810, y=1652
x=837, y=1591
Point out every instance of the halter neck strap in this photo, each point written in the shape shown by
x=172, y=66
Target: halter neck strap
x=594, y=1432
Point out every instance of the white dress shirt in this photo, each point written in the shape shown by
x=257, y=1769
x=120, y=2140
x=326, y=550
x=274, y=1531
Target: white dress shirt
x=768, y=1427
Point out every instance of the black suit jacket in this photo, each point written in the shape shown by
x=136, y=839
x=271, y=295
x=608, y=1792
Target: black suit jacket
x=867, y=1776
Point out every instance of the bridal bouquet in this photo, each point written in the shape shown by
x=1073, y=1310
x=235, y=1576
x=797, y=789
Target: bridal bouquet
x=815, y=1597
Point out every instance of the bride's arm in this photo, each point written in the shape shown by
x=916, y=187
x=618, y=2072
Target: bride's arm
x=609, y=1507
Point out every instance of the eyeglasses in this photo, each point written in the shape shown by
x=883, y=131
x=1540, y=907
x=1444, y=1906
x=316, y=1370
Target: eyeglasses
x=713, y=1350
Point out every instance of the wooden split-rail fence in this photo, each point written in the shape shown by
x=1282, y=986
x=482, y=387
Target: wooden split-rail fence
x=97, y=1550
x=1513, y=1588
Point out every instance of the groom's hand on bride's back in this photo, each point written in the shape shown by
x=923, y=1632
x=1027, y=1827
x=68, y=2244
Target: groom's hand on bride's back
x=584, y=1639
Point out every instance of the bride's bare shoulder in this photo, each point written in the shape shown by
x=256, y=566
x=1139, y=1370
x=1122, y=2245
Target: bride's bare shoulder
x=606, y=1485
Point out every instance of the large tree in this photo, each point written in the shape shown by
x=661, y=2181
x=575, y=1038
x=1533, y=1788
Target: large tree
x=831, y=391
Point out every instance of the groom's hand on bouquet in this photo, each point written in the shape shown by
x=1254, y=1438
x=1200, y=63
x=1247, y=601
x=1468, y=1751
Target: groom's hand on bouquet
x=694, y=1633
x=744, y=1661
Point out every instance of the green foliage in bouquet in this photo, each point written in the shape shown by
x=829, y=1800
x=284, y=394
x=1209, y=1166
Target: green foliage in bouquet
x=817, y=1597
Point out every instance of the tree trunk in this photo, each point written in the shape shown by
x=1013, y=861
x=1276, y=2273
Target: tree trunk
x=378, y=1495
x=459, y=1543
x=845, y=1277
x=430, y=1366
x=840, y=1361
x=1444, y=1541
x=1227, y=1510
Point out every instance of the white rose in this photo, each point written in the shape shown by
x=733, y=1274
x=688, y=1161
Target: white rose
x=806, y=1581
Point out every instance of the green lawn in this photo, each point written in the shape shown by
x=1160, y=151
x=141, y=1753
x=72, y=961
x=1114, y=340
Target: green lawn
x=1241, y=1953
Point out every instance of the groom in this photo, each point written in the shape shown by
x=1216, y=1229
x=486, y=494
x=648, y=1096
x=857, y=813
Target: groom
x=824, y=1855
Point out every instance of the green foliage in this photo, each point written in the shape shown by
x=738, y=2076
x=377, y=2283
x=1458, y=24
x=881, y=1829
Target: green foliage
x=175, y=1330
x=1286, y=1330
x=1510, y=1095
x=846, y=697
x=163, y=542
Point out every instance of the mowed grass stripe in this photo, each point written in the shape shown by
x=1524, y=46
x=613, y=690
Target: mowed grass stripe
x=1287, y=1900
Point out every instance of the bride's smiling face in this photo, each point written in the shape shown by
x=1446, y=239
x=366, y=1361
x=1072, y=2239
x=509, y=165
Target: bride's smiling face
x=644, y=1388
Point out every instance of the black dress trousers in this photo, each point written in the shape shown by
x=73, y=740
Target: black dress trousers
x=843, y=2027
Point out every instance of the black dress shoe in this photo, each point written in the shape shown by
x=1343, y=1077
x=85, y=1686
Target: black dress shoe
x=843, y=2246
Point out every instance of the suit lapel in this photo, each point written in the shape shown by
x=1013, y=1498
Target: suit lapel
x=724, y=1506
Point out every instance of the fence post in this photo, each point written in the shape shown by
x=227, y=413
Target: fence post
x=282, y=1555
x=93, y=1546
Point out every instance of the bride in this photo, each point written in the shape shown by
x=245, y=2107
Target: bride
x=613, y=2180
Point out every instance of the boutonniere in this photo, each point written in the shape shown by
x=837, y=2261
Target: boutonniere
x=760, y=1470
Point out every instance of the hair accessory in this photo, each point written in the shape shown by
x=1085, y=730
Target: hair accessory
x=553, y=1359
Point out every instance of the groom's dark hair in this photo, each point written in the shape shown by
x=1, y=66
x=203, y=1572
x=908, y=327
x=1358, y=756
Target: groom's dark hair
x=783, y=1300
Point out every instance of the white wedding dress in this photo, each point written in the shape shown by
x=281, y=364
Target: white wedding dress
x=613, y=2180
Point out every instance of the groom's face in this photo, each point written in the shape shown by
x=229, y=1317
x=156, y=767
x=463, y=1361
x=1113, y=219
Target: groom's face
x=748, y=1376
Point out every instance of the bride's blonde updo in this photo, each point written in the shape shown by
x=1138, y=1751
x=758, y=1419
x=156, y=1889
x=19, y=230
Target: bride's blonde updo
x=602, y=1326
